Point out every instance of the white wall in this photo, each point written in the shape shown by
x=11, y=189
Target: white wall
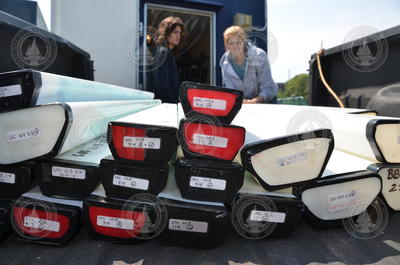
x=104, y=28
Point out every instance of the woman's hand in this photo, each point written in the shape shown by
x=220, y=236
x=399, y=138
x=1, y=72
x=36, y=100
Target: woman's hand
x=253, y=100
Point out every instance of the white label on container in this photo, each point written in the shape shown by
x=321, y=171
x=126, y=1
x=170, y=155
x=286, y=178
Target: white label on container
x=115, y=222
x=209, y=103
x=295, y=158
x=130, y=182
x=41, y=224
x=65, y=172
x=9, y=91
x=207, y=183
x=342, y=201
x=142, y=142
x=188, y=226
x=265, y=216
x=23, y=134
x=7, y=177
x=210, y=140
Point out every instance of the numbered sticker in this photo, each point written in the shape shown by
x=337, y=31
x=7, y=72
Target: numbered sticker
x=342, y=201
x=23, y=134
x=391, y=186
x=187, y=226
x=7, y=178
x=130, y=182
x=142, y=142
x=288, y=160
x=10, y=91
x=209, y=103
x=265, y=216
x=115, y=222
x=207, y=183
x=209, y=140
x=65, y=172
x=41, y=224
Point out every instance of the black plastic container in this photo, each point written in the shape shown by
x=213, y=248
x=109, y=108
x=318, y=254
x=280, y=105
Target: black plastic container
x=62, y=57
x=207, y=140
x=150, y=144
x=210, y=102
x=46, y=220
x=194, y=225
x=390, y=176
x=16, y=179
x=124, y=179
x=75, y=180
x=5, y=226
x=122, y=221
x=206, y=180
x=256, y=216
x=353, y=78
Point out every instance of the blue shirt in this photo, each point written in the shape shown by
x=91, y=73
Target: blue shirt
x=238, y=68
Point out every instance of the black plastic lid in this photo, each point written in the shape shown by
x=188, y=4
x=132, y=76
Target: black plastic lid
x=30, y=82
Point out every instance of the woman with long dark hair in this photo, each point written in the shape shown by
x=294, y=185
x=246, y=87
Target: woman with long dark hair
x=164, y=79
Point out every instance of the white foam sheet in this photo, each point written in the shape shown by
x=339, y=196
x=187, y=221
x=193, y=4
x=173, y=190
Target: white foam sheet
x=37, y=195
x=181, y=113
x=162, y=115
x=341, y=200
x=292, y=162
x=90, y=119
x=172, y=192
x=56, y=88
x=29, y=133
x=387, y=137
x=342, y=162
x=92, y=152
x=390, y=175
x=264, y=121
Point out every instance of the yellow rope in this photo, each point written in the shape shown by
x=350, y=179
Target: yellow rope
x=330, y=90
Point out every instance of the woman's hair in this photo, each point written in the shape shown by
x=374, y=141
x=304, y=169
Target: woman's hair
x=234, y=31
x=166, y=27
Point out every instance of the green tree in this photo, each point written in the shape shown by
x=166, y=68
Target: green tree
x=295, y=87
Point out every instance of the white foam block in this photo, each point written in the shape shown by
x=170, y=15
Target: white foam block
x=390, y=175
x=57, y=88
x=292, y=162
x=162, y=115
x=341, y=200
x=33, y=132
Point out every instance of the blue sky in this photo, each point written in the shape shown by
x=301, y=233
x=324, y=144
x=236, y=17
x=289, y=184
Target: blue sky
x=300, y=25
